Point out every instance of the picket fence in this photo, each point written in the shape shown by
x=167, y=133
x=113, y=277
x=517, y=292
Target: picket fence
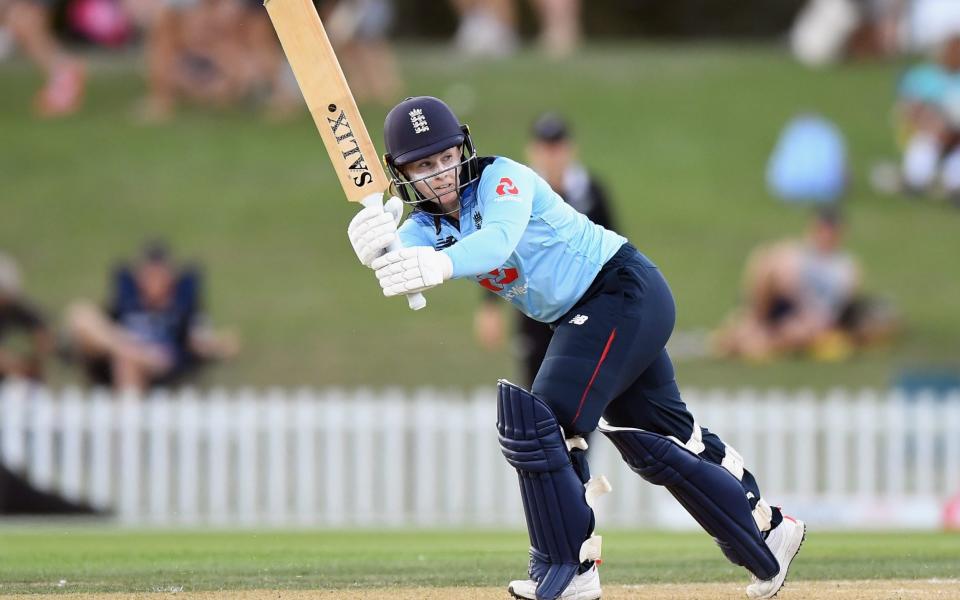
x=430, y=458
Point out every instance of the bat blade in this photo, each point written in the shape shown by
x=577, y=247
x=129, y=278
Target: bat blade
x=331, y=104
x=328, y=97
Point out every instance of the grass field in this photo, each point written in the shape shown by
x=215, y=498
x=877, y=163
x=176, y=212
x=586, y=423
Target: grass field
x=68, y=560
x=680, y=133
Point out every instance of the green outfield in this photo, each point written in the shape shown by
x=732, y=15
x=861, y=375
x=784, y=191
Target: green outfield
x=66, y=559
x=680, y=133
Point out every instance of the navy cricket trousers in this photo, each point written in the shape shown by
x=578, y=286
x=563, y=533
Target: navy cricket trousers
x=607, y=358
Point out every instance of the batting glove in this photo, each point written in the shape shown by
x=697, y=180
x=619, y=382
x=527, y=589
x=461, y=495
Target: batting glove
x=373, y=229
x=412, y=270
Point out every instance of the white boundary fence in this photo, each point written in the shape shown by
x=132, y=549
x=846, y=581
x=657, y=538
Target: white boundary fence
x=334, y=458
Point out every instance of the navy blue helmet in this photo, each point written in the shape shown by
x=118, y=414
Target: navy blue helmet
x=419, y=127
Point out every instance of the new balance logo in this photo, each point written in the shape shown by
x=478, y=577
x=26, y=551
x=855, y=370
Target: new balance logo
x=579, y=319
x=418, y=121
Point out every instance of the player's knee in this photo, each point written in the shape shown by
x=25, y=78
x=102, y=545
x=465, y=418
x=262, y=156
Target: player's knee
x=530, y=436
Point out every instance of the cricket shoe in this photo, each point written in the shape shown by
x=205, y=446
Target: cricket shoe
x=585, y=586
x=784, y=541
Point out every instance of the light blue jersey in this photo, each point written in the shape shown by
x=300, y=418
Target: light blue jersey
x=519, y=239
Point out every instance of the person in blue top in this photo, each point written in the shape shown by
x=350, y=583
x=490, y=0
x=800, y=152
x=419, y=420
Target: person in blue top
x=495, y=221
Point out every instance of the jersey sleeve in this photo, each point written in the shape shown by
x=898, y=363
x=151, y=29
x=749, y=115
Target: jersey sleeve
x=412, y=233
x=505, y=198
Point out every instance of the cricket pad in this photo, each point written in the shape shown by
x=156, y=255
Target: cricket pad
x=558, y=517
x=710, y=493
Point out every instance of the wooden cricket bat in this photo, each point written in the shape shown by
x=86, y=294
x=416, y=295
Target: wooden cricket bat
x=331, y=103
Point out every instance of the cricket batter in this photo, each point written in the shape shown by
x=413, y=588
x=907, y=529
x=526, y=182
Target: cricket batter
x=498, y=223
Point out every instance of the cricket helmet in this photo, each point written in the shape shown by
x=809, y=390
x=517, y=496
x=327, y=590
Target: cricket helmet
x=419, y=127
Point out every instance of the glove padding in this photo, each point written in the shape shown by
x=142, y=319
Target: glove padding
x=373, y=229
x=412, y=270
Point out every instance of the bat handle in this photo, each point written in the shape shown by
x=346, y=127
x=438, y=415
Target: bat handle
x=414, y=301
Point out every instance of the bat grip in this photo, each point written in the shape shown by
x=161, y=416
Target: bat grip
x=414, y=301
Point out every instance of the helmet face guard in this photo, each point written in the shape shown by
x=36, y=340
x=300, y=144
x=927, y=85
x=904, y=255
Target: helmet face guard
x=406, y=189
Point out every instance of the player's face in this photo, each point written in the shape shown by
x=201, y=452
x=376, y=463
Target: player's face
x=437, y=176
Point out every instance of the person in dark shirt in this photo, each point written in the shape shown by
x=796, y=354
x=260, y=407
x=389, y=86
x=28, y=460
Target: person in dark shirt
x=552, y=153
x=153, y=332
x=17, y=314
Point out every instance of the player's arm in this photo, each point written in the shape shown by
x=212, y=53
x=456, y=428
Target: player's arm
x=506, y=200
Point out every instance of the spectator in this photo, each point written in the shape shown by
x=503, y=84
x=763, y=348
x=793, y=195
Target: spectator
x=804, y=295
x=488, y=28
x=358, y=31
x=153, y=332
x=30, y=22
x=929, y=112
x=552, y=153
x=827, y=31
x=809, y=163
x=17, y=313
x=559, y=26
x=212, y=53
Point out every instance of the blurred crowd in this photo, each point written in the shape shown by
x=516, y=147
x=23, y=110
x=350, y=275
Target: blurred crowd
x=150, y=331
x=827, y=31
x=220, y=53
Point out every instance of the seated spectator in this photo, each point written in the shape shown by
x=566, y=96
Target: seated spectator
x=928, y=114
x=804, y=295
x=31, y=24
x=213, y=53
x=17, y=313
x=358, y=30
x=153, y=332
x=809, y=162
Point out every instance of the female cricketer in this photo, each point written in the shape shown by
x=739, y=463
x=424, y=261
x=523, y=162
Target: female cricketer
x=495, y=221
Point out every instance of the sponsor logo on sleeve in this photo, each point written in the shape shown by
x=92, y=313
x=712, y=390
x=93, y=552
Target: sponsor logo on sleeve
x=507, y=191
x=506, y=186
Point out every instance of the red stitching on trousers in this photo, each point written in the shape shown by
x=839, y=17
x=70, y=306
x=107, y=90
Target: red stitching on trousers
x=603, y=357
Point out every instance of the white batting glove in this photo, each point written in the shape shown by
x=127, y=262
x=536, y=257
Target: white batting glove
x=412, y=270
x=373, y=229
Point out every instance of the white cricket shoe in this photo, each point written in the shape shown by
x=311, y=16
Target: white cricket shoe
x=585, y=586
x=784, y=541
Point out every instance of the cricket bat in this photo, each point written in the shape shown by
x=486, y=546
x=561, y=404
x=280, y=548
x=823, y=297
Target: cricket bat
x=331, y=103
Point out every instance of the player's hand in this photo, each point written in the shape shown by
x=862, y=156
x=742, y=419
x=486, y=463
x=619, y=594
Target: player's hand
x=373, y=229
x=412, y=270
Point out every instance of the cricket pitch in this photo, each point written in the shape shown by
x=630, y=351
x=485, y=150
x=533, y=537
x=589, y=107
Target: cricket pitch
x=878, y=589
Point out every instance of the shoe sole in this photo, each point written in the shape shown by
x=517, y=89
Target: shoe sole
x=519, y=597
x=790, y=563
